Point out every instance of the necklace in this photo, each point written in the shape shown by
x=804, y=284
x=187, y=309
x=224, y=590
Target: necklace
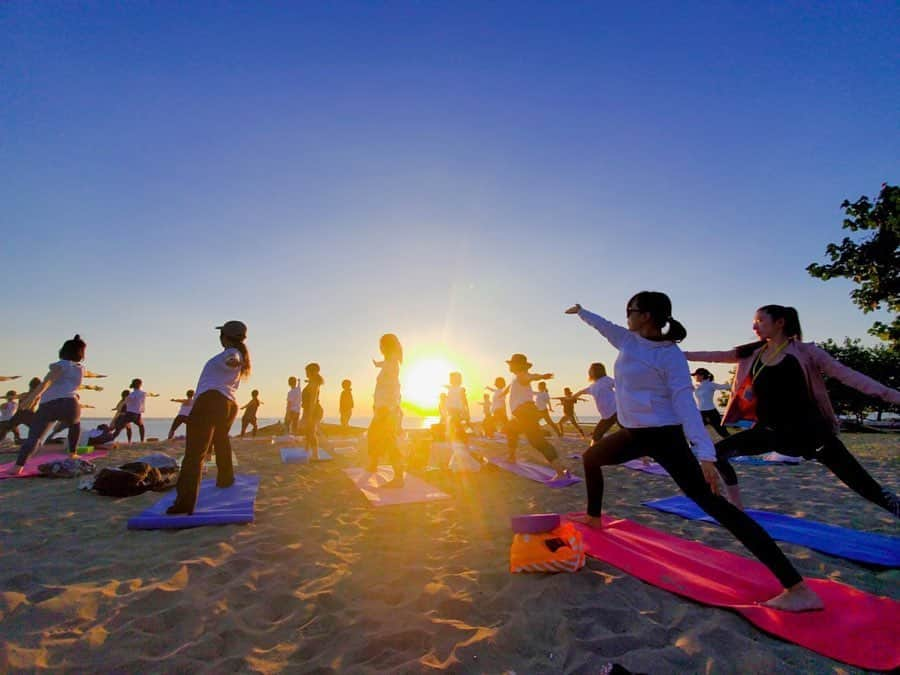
x=759, y=364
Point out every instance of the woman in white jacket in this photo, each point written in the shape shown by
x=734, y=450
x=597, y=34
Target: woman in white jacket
x=656, y=411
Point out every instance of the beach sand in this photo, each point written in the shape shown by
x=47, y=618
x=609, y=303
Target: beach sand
x=323, y=582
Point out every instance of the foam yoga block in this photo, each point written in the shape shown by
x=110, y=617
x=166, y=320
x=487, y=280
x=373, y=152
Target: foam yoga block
x=866, y=547
x=857, y=628
x=215, y=506
x=534, y=523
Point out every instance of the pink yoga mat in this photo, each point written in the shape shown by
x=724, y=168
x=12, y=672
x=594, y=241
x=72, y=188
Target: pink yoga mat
x=857, y=628
x=414, y=489
x=31, y=466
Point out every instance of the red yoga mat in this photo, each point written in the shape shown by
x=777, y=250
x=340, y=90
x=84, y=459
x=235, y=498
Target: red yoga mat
x=857, y=628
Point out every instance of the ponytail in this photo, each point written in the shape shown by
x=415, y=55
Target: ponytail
x=659, y=307
x=790, y=317
x=245, y=354
x=674, y=331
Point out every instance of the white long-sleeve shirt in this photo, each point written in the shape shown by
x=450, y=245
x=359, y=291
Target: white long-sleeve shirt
x=653, y=384
x=705, y=391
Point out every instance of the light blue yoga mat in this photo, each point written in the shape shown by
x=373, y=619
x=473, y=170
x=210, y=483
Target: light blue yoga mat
x=215, y=506
x=867, y=547
x=301, y=456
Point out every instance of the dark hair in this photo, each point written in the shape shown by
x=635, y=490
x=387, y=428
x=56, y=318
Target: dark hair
x=238, y=343
x=791, y=328
x=312, y=374
x=292, y=381
x=346, y=384
x=567, y=391
x=596, y=371
x=136, y=382
x=254, y=393
x=34, y=382
x=124, y=393
x=389, y=344
x=542, y=385
x=499, y=382
x=659, y=307
x=73, y=350
x=190, y=393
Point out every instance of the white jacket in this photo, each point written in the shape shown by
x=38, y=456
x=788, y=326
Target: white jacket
x=653, y=384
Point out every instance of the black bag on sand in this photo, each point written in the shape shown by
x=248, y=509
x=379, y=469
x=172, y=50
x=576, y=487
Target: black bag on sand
x=134, y=478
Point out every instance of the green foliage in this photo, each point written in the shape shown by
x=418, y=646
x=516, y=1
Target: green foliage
x=881, y=363
x=873, y=263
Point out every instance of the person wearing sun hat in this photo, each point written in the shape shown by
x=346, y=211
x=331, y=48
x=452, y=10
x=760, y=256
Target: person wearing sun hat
x=214, y=410
x=525, y=415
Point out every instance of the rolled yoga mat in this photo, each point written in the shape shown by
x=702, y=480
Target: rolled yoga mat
x=215, y=506
x=866, y=547
x=858, y=628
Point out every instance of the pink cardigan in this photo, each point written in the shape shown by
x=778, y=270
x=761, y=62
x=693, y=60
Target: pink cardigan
x=814, y=361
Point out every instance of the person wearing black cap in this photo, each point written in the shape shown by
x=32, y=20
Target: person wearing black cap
x=703, y=394
x=214, y=410
x=525, y=415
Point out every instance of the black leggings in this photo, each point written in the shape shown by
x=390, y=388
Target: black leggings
x=602, y=427
x=209, y=423
x=668, y=446
x=823, y=447
x=177, y=422
x=65, y=410
x=124, y=419
x=527, y=420
x=714, y=419
x=570, y=418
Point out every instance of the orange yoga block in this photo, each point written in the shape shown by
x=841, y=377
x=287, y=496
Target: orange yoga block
x=560, y=550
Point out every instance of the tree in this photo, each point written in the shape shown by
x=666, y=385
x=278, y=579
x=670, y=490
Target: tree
x=873, y=263
x=881, y=363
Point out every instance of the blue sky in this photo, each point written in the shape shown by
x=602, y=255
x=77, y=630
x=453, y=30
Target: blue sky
x=457, y=173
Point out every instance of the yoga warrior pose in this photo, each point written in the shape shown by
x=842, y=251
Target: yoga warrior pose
x=525, y=415
x=312, y=409
x=387, y=416
x=544, y=406
x=782, y=376
x=568, y=405
x=249, y=417
x=498, y=404
x=134, y=408
x=292, y=407
x=603, y=390
x=184, y=412
x=215, y=407
x=22, y=415
x=59, y=399
x=656, y=411
x=704, y=393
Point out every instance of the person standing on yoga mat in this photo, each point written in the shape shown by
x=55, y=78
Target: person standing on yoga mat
x=498, y=403
x=292, y=407
x=387, y=417
x=783, y=377
x=134, y=408
x=249, y=417
x=312, y=409
x=544, y=406
x=183, y=412
x=526, y=417
x=215, y=407
x=58, y=394
x=657, y=416
x=704, y=393
x=120, y=410
x=568, y=402
x=603, y=390
x=23, y=415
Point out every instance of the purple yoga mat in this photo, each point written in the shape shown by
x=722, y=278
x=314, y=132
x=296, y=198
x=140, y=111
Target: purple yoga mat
x=535, y=472
x=215, y=506
x=31, y=466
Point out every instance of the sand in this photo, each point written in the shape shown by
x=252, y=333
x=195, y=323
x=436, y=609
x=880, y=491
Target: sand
x=323, y=582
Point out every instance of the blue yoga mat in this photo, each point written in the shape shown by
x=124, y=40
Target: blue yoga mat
x=301, y=456
x=215, y=506
x=867, y=547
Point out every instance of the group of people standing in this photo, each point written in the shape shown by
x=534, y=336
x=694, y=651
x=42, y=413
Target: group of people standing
x=779, y=384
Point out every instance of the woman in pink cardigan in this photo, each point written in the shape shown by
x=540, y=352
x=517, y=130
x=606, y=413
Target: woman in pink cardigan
x=781, y=377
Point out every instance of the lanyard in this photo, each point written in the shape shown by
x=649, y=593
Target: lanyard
x=759, y=364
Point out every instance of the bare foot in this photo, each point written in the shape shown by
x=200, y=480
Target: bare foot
x=396, y=482
x=561, y=475
x=799, y=598
x=16, y=470
x=595, y=522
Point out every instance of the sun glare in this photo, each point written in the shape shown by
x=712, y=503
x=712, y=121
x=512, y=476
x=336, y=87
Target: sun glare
x=424, y=380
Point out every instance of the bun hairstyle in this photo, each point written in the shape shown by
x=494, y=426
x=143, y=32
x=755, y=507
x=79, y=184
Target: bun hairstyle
x=596, y=371
x=659, y=307
x=73, y=350
x=390, y=347
x=792, y=329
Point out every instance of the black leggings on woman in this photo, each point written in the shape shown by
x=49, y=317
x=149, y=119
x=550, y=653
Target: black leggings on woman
x=714, y=419
x=65, y=410
x=668, y=446
x=209, y=423
x=824, y=447
x=527, y=420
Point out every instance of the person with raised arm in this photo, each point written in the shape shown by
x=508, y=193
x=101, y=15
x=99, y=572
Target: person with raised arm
x=248, y=419
x=387, y=418
x=704, y=392
x=568, y=401
x=215, y=407
x=779, y=382
x=134, y=408
x=656, y=413
x=312, y=408
x=603, y=390
x=184, y=412
x=526, y=417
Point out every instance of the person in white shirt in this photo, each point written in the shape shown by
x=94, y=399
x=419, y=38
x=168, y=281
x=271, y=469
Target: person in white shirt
x=214, y=410
x=657, y=416
x=603, y=390
x=184, y=412
x=59, y=400
x=292, y=408
x=526, y=417
x=544, y=406
x=387, y=417
x=498, y=404
x=7, y=412
x=457, y=404
x=134, y=409
x=22, y=415
x=704, y=393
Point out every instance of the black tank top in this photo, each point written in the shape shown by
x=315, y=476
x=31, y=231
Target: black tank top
x=783, y=401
